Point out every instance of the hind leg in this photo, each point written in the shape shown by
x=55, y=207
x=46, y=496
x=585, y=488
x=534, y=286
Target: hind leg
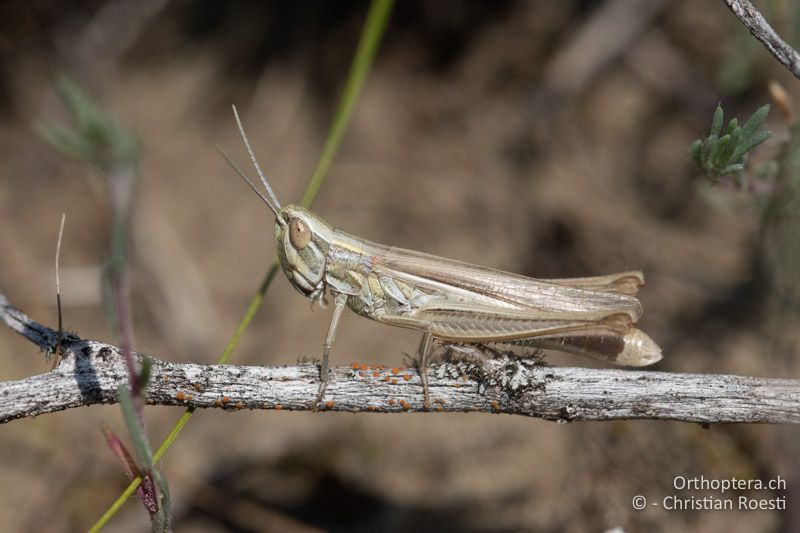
x=422, y=368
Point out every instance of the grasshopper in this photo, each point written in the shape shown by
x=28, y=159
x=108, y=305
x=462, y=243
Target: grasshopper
x=449, y=300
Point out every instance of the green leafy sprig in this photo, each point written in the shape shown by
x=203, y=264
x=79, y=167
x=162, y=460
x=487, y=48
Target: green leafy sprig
x=724, y=154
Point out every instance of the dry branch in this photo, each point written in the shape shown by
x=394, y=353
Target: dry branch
x=91, y=371
x=761, y=30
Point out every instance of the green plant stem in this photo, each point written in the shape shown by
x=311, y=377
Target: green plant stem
x=374, y=28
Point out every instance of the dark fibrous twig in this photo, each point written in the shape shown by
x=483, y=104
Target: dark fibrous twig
x=761, y=30
x=42, y=336
x=91, y=371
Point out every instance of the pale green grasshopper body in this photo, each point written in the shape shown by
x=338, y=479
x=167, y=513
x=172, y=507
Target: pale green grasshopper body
x=455, y=301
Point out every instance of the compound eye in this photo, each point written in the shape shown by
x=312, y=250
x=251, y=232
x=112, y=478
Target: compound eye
x=299, y=234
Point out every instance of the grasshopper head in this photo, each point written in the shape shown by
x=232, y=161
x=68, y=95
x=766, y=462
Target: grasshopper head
x=303, y=239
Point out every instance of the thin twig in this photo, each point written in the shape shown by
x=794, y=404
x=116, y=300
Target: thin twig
x=761, y=30
x=90, y=373
x=57, y=354
x=42, y=336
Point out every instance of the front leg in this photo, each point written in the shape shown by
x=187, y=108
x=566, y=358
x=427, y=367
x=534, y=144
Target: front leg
x=339, y=302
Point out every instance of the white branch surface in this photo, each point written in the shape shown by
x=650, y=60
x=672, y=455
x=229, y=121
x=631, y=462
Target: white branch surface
x=91, y=372
x=761, y=30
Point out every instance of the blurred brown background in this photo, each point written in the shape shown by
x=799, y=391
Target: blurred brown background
x=545, y=138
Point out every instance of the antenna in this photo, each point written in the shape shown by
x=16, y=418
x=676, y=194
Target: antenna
x=277, y=205
x=246, y=180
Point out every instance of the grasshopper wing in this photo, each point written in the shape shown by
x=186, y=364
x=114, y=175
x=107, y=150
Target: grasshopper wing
x=623, y=283
x=466, y=283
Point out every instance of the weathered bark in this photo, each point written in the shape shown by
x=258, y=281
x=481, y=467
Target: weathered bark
x=90, y=372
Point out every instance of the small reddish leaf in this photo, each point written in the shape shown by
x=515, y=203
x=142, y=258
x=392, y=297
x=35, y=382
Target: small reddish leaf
x=121, y=452
x=146, y=490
